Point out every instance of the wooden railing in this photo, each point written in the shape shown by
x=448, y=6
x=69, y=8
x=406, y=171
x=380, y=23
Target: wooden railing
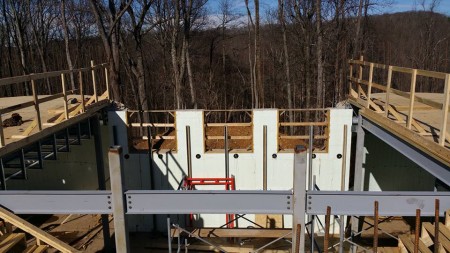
x=67, y=112
x=152, y=128
x=366, y=87
x=294, y=126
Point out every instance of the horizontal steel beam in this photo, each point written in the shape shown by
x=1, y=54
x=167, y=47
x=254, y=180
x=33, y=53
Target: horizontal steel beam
x=57, y=202
x=209, y=202
x=428, y=163
x=362, y=203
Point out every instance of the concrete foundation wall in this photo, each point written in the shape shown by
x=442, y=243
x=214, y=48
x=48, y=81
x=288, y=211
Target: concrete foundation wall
x=247, y=168
x=386, y=169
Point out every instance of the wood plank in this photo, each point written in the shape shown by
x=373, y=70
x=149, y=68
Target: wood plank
x=35, y=231
x=443, y=127
x=27, y=131
x=411, y=98
x=228, y=124
x=153, y=124
x=406, y=241
x=302, y=137
x=443, y=240
x=303, y=123
x=36, y=249
x=221, y=137
x=161, y=137
x=419, y=99
x=9, y=241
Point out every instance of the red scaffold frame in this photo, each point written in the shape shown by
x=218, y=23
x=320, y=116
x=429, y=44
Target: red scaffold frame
x=229, y=183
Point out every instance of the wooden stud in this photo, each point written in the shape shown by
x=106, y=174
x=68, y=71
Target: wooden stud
x=35, y=231
x=83, y=108
x=107, y=83
x=36, y=104
x=388, y=90
x=360, y=76
x=369, y=88
x=445, y=110
x=94, y=82
x=411, y=98
x=327, y=230
x=66, y=107
x=416, y=232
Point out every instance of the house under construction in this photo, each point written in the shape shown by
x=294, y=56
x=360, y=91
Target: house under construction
x=370, y=175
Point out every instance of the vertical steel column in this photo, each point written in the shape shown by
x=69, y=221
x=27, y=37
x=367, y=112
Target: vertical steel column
x=311, y=182
x=39, y=154
x=188, y=150
x=265, y=158
x=343, y=173
x=23, y=165
x=299, y=200
x=227, y=154
x=152, y=169
x=169, y=236
x=100, y=175
x=55, y=147
x=118, y=201
x=359, y=172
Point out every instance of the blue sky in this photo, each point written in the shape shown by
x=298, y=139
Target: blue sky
x=396, y=6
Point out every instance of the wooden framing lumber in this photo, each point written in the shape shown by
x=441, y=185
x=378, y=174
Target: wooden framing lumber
x=27, y=131
x=237, y=232
x=35, y=231
x=9, y=241
x=445, y=110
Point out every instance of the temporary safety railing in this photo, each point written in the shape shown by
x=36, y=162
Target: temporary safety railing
x=366, y=86
x=60, y=78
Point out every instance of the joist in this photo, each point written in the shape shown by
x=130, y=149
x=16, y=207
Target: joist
x=35, y=231
x=36, y=249
x=9, y=241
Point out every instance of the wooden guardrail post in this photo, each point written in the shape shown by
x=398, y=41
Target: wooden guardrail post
x=63, y=84
x=94, y=82
x=83, y=108
x=445, y=105
x=412, y=95
x=388, y=91
x=369, y=88
x=360, y=76
x=107, y=82
x=36, y=104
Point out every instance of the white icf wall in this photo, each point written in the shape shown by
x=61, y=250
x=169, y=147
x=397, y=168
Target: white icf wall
x=170, y=167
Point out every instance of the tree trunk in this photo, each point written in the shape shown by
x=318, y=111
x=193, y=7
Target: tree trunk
x=66, y=43
x=320, y=86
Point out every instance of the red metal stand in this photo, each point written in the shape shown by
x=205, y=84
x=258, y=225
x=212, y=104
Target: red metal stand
x=229, y=183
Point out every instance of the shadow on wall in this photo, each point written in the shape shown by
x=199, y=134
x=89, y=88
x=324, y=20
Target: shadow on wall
x=386, y=169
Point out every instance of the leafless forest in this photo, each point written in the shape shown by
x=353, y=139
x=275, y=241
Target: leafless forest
x=170, y=54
